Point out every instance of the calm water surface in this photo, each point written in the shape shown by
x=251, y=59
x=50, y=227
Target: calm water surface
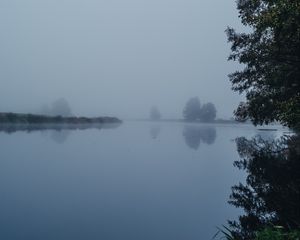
x=140, y=181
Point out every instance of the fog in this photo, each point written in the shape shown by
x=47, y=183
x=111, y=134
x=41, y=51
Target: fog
x=116, y=57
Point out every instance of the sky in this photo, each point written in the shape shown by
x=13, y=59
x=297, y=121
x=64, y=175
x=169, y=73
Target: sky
x=116, y=57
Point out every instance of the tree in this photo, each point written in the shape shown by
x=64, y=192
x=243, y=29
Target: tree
x=155, y=114
x=61, y=107
x=192, y=109
x=208, y=112
x=270, y=53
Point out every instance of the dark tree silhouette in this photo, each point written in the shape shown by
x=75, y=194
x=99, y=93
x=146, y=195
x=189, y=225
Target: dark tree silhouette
x=155, y=114
x=192, y=109
x=208, y=112
x=270, y=52
x=271, y=195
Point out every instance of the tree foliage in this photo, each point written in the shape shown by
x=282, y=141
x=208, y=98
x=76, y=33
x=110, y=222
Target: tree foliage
x=194, y=111
x=208, y=112
x=155, y=114
x=61, y=108
x=270, y=53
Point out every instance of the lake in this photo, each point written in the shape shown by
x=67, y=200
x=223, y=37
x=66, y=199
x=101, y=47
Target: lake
x=140, y=180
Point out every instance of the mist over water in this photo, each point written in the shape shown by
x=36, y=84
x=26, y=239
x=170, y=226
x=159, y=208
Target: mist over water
x=116, y=58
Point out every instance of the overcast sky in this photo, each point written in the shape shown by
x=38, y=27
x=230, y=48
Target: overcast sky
x=116, y=57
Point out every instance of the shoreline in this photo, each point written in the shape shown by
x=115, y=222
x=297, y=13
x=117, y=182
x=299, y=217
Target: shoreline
x=34, y=119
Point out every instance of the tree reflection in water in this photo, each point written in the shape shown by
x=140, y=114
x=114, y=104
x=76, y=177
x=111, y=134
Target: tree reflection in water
x=271, y=194
x=154, y=131
x=193, y=135
x=59, y=132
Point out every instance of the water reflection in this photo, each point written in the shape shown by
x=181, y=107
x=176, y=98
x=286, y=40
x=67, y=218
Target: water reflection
x=267, y=134
x=193, y=135
x=271, y=194
x=155, y=131
x=59, y=132
x=60, y=136
x=108, y=178
x=11, y=128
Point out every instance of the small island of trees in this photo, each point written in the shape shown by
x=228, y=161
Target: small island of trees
x=193, y=111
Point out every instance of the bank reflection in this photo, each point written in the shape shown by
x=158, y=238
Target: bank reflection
x=271, y=194
x=194, y=135
x=59, y=133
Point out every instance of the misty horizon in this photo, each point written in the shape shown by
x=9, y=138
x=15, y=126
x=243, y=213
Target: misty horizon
x=116, y=58
x=149, y=119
